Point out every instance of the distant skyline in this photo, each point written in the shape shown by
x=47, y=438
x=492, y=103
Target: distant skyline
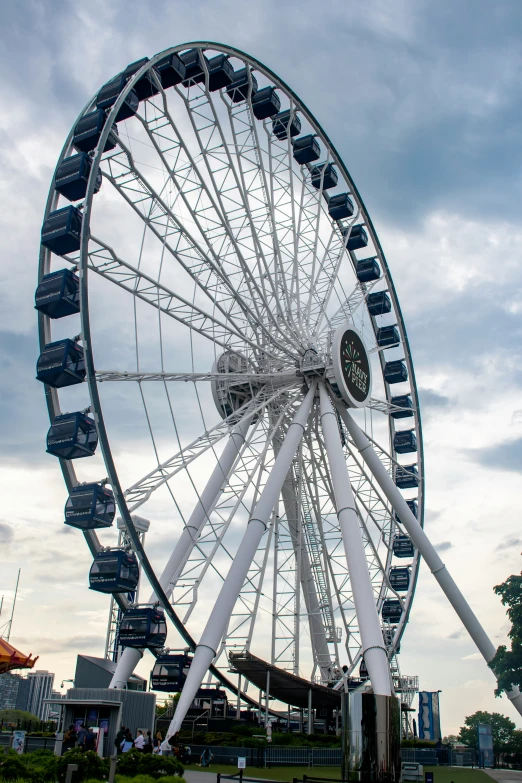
x=423, y=102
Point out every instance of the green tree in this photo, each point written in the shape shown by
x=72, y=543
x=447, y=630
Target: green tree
x=13, y=716
x=507, y=664
x=502, y=728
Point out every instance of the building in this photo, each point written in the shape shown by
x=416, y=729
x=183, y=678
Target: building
x=27, y=693
x=9, y=686
x=94, y=672
x=40, y=687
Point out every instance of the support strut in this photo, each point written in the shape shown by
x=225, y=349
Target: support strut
x=191, y=532
x=374, y=651
x=257, y=525
x=425, y=547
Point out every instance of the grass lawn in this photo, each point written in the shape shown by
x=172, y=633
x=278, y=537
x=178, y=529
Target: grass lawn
x=286, y=774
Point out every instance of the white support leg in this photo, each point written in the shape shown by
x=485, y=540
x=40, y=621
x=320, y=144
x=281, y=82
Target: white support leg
x=374, y=651
x=220, y=615
x=191, y=532
x=424, y=546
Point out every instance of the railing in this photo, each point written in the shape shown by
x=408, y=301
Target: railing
x=30, y=744
x=311, y=757
x=442, y=757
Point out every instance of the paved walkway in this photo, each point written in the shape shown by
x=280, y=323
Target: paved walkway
x=501, y=775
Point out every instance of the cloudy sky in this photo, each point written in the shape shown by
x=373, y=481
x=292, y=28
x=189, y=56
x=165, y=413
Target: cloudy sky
x=422, y=100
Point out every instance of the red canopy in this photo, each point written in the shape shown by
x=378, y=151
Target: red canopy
x=11, y=658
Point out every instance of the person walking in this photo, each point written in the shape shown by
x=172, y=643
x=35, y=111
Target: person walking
x=158, y=739
x=82, y=733
x=118, y=739
x=147, y=747
x=206, y=758
x=90, y=740
x=139, y=742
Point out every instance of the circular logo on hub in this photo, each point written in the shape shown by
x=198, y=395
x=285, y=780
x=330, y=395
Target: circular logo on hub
x=351, y=367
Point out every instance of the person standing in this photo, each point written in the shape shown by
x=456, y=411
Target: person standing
x=158, y=739
x=69, y=739
x=127, y=743
x=82, y=733
x=118, y=739
x=139, y=742
x=90, y=740
x=147, y=747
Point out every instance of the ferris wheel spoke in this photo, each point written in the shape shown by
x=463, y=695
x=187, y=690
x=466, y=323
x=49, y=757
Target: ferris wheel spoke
x=201, y=204
x=205, y=270
x=107, y=264
x=141, y=491
x=286, y=378
x=252, y=183
x=228, y=187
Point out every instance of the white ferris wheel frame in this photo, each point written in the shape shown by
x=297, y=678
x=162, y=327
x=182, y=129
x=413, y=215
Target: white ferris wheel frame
x=228, y=326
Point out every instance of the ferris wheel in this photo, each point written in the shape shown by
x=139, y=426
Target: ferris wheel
x=209, y=270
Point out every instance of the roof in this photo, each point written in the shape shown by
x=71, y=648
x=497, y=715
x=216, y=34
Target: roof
x=109, y=666
x=284, y=686
x=11, y=658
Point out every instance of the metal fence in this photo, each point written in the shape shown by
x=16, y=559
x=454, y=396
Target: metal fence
x=310, y=757
x=31, y=743
x=442, y=757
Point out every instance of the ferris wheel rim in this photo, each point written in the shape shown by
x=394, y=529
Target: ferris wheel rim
x=106, y=449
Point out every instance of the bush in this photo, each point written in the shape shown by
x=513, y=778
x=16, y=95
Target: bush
x=171, y=779
x=136, y=763
x=13, y=768
x=43, y=763
x=90, y=765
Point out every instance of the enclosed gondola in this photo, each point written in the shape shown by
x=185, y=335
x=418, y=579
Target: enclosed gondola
x=355, y=236
x=324, y=174
x=367, y=270
x=391, y=610
x=238, y=89
x=114, y=571
x=403, y=546
x=405, y=402
x=89, y=128
x=286, y=123
x=61, y=231
x=146, y=86
x=395, y=372
x=400, y=578
x=379, y=303
x=405, y=442
x=265, y=103
x=58, y=294
x=90, y=506
x=72, y=177
x=143, y=626
x=110, y=93
x=170, y=672
x=72, y=436
x=388, y=336
x=406, y=476
x=61, y=364
x=340, y=206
